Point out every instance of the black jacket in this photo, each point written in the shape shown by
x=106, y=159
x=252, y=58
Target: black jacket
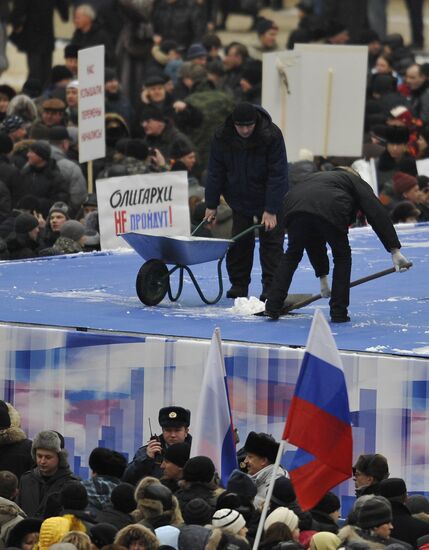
x=251, y=173
x=176, y=21
x=405, y=526
x=109, y=514
x=336, y=196
x=35, y=491
x=96, y=36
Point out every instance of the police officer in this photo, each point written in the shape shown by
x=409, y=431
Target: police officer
x=174, y=422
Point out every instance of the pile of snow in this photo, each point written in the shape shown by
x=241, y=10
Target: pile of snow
x=247, y=306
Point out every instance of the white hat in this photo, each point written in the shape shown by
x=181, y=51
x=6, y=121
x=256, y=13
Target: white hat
x=228, y=519
x=282, y=515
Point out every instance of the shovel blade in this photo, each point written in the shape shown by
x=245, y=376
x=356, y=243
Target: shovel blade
x=293, y=299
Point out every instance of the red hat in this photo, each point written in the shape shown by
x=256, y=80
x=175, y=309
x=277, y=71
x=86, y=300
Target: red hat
x=403, y=182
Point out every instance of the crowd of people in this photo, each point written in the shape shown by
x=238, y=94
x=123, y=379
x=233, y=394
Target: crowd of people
x=165, y=499
x=170, y=83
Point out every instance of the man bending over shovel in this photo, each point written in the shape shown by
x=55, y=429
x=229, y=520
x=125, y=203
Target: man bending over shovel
x=319, y=210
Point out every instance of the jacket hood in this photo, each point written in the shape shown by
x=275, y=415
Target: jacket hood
x=262, y=132
x=13, y=434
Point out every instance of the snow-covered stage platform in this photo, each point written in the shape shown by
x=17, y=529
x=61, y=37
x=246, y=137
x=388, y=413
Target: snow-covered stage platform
x=97, y=291
x=99, y=384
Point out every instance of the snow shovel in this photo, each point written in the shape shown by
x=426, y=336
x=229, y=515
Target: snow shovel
x=297, y=301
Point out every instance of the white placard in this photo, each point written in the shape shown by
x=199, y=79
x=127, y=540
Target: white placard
x=423, y=167
x=316, y=95
x=144, y=203
x=367, y=171
x=92, y=139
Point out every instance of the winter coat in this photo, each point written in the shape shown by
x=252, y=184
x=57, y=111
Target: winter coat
x=405, y=526
x=5, y=201
x=10, y=515
x=46, y=183
x=36, y=19
x=96, y=36
x=262, y=482
x=63, y=245
x=166, y=140
x=193, y=536
x=420, y=102
x=15, y=448
x=99, y=488
x=336, y=196
x=349, y=534
x=250, y=173
x=323, y=522
x=213, y=106
x=109, y=514
x=142, y=465
x=20, y=246
x=197, y=489
x=72, y=175
x=9, y=174
x=176, y=21
x=36, y=491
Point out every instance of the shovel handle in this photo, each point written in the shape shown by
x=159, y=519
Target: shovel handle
x=360, y=281
x=247, y=231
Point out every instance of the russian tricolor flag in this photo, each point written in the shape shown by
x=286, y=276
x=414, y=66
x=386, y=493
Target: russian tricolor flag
x=213, y=433
x=318, y=422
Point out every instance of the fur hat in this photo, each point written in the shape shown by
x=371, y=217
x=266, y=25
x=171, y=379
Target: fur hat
x=174, y=417
x=403, y=182
x=228, y=519
x=374, y=465
x=263, y=445
x=373, y=512
x=392, y=487
x=197, y=512
x=21, y=529
x=122, y=498
x=178, y=454
x=104, y=461
x=53, y=530
x=25, y=222
x=282, y=515
x=154, y=495
x=42, y=149
x=72, y=229
x=51, y=441
x=328, y=504
x=4, y=416
x=199, y=468
x=242, y=484
x=10, y=425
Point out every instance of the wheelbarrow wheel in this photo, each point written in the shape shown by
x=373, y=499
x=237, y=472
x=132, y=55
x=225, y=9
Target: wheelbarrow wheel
x=152, y=282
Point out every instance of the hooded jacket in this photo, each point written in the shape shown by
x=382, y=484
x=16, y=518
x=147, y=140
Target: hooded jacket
x=250, y=173
x=15, y=448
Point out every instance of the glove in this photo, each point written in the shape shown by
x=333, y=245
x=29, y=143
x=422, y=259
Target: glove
x=325, y=291
x=399, y=261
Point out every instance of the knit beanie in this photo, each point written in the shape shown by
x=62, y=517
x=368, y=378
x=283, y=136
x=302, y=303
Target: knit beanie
x=106, y=461
x=283, y=492
x=328, y=504
x=74, y=496
x=4, y=416
x=373, y=512
x=72, y=229
x=122, y=498
x=199, y=468
x=242, y=484
x=178, y=454
x=282, y=515
x=244, y=114
x=25, y=222
x=52, y=531
x=228, y=519
x=197, y=512
x=263, y=445
x=6, y=144
x=392, y=487
x=403, y=182
x=102, y=534
x=42, y=149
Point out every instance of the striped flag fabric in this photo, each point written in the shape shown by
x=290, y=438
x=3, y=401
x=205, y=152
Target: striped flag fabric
x=213, y=433
x=318, y=422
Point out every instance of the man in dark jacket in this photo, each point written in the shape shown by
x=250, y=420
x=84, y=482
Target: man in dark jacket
x=33, y=33
x=319, y=210
x=39, y=488
x=174, y=422
x=248, y=166
x=176, y=20
x=405, y=526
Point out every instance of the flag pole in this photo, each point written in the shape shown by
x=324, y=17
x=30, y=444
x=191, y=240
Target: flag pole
x=268, y=497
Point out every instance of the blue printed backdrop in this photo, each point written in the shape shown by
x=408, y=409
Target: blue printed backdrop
x=100, y=389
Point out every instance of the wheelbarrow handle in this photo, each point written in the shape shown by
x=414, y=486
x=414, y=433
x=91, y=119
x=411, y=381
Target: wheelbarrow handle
x=247, y=231
x=203, y=222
